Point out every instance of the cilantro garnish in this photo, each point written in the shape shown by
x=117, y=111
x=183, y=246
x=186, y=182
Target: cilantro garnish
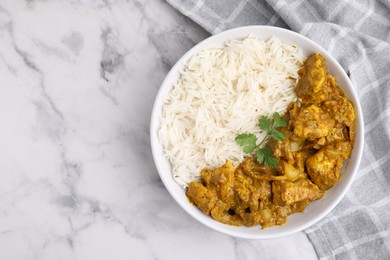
x=268, y=125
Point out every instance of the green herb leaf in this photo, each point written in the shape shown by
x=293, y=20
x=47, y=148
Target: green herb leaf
x=260, y=156
x=266, y=151
x=271, y=162
x=277, y=135
x=247, y=141
x=265, y=123
x=279, y=121
x=264, y=155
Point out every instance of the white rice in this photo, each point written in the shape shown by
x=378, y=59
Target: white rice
x=221, y=93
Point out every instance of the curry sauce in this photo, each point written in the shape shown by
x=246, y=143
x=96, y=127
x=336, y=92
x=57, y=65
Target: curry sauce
x=319, y=138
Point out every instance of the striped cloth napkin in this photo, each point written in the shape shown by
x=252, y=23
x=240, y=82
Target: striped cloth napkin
x=357, y=34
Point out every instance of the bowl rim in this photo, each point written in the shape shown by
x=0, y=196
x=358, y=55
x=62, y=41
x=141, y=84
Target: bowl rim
x=359, y=124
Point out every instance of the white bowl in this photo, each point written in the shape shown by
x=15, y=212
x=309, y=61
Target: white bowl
x=295, y=222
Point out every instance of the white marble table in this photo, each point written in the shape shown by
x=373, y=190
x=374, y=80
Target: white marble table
x=77, y=180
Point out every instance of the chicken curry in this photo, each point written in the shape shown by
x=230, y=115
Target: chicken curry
x=319, y=138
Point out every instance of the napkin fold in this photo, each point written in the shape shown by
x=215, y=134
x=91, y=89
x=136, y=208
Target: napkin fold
x=357, y=34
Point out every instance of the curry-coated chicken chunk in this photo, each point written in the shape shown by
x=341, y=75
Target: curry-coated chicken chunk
x=337, y=105
x=217, y=186
x=341, y=109
x=311, y=123
x=287, y=192
x=324, y=166
x=220, y=180
x=312, y=85
x=202, y=197
x=223, y=214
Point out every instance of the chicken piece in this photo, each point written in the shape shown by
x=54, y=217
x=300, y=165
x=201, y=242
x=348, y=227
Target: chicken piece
x=299, y=206
x=249, y=194
x=337, y=105
x=202, y=197
x=217, y=187
x=220, y=180
x=338, y=132
x=225, y=215
x=242, y=184
x=261, y=191
x=341, y=109
x=278, y=216
x=351, y=132
x=312, y=87
x=250, y=218
x=299, y=163
x=287, y=192
x=311, y=123
x=324, y=166
x=334, y=90
x=260, y=197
